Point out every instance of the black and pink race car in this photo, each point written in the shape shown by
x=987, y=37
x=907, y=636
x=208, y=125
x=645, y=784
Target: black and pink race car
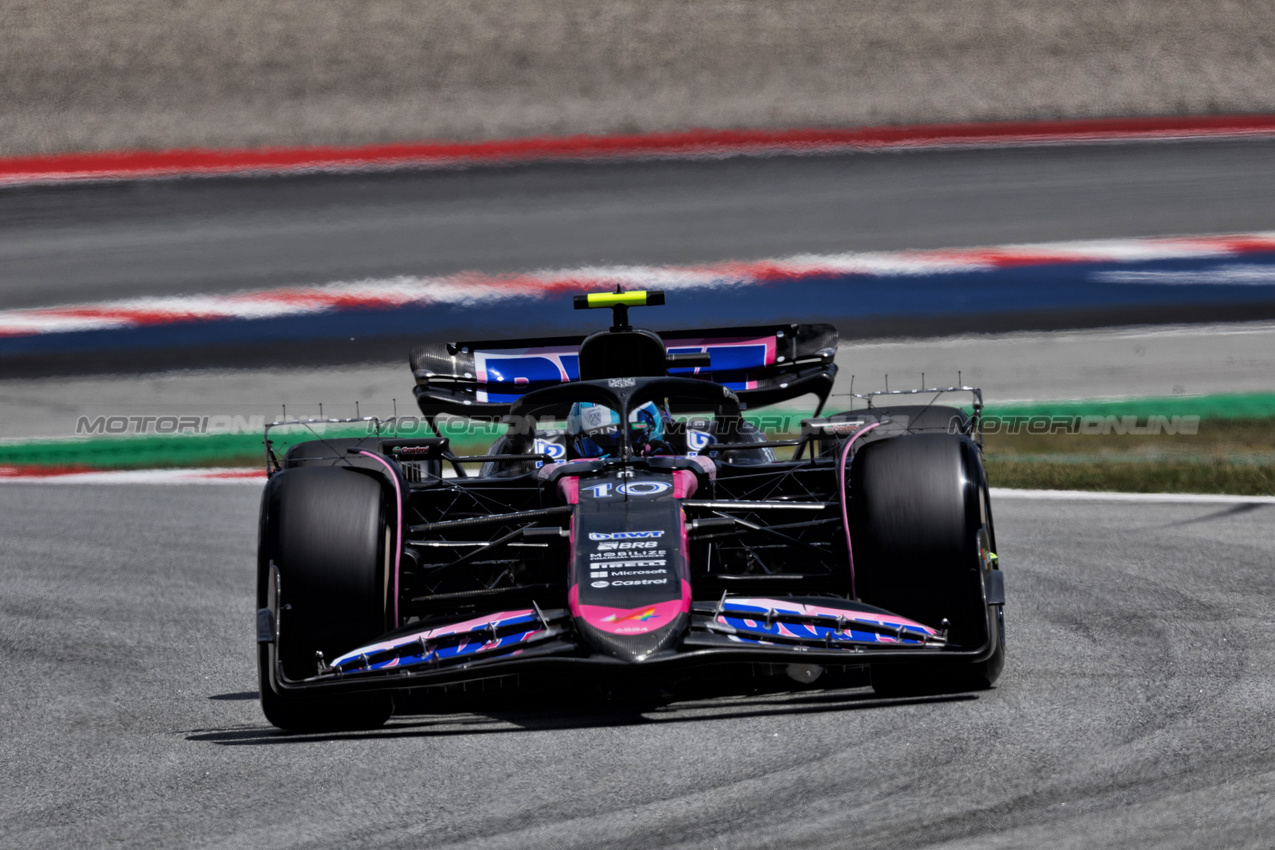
x=389, y=564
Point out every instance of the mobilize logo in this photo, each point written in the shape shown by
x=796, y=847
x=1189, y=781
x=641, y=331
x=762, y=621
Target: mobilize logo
x=624, y=535
x=625, y=550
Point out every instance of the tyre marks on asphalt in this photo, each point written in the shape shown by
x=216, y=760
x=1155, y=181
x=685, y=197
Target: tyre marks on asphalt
x=1139, y=679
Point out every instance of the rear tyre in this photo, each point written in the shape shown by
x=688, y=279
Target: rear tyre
x=920, y=528
x=325, y=529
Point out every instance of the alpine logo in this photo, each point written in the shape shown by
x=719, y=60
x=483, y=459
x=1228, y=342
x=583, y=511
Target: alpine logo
x=624, y=535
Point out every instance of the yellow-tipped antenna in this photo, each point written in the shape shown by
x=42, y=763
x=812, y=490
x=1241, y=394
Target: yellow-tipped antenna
x=620, y=302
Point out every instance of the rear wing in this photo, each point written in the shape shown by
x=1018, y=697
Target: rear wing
x=762, y=365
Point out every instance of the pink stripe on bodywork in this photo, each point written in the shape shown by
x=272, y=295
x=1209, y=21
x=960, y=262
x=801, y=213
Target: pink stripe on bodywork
x=684, y=484
x=398, y=537
x=841, y=491
x=686, y=551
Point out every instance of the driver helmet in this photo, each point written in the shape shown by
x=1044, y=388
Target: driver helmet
x=593, y=430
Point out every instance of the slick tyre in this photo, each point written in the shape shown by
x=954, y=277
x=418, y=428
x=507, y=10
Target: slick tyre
x=919, y=524
x=325, y=530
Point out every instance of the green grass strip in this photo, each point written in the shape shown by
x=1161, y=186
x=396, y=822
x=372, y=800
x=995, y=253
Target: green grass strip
x=1223, y=406
x=1238, y=479
x=138, y=452
x=1250, y=406
x=158, y=451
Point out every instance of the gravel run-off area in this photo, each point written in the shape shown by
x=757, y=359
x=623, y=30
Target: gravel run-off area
x=176, y=73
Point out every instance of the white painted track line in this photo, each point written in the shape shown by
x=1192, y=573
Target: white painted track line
x=9, y=475
x=257, y=476
x=1164, y=498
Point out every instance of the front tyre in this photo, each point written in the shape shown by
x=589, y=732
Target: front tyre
x=921, y=531
x=325, y=529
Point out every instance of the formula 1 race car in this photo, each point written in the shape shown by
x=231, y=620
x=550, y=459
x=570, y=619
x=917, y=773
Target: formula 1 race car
x=657, y=533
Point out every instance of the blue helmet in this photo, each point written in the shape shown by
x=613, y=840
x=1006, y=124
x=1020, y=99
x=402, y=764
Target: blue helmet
x=594, y=429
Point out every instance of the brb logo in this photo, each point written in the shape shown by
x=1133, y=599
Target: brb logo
x=618, y=545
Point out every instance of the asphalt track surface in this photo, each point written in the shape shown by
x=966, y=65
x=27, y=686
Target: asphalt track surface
x=1136, y=709
x=79, y=243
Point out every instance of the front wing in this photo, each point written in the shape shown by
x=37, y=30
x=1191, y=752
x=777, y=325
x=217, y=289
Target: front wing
x=731, y=630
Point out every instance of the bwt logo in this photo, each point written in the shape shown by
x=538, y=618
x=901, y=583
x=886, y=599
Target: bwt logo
x=624, y=535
